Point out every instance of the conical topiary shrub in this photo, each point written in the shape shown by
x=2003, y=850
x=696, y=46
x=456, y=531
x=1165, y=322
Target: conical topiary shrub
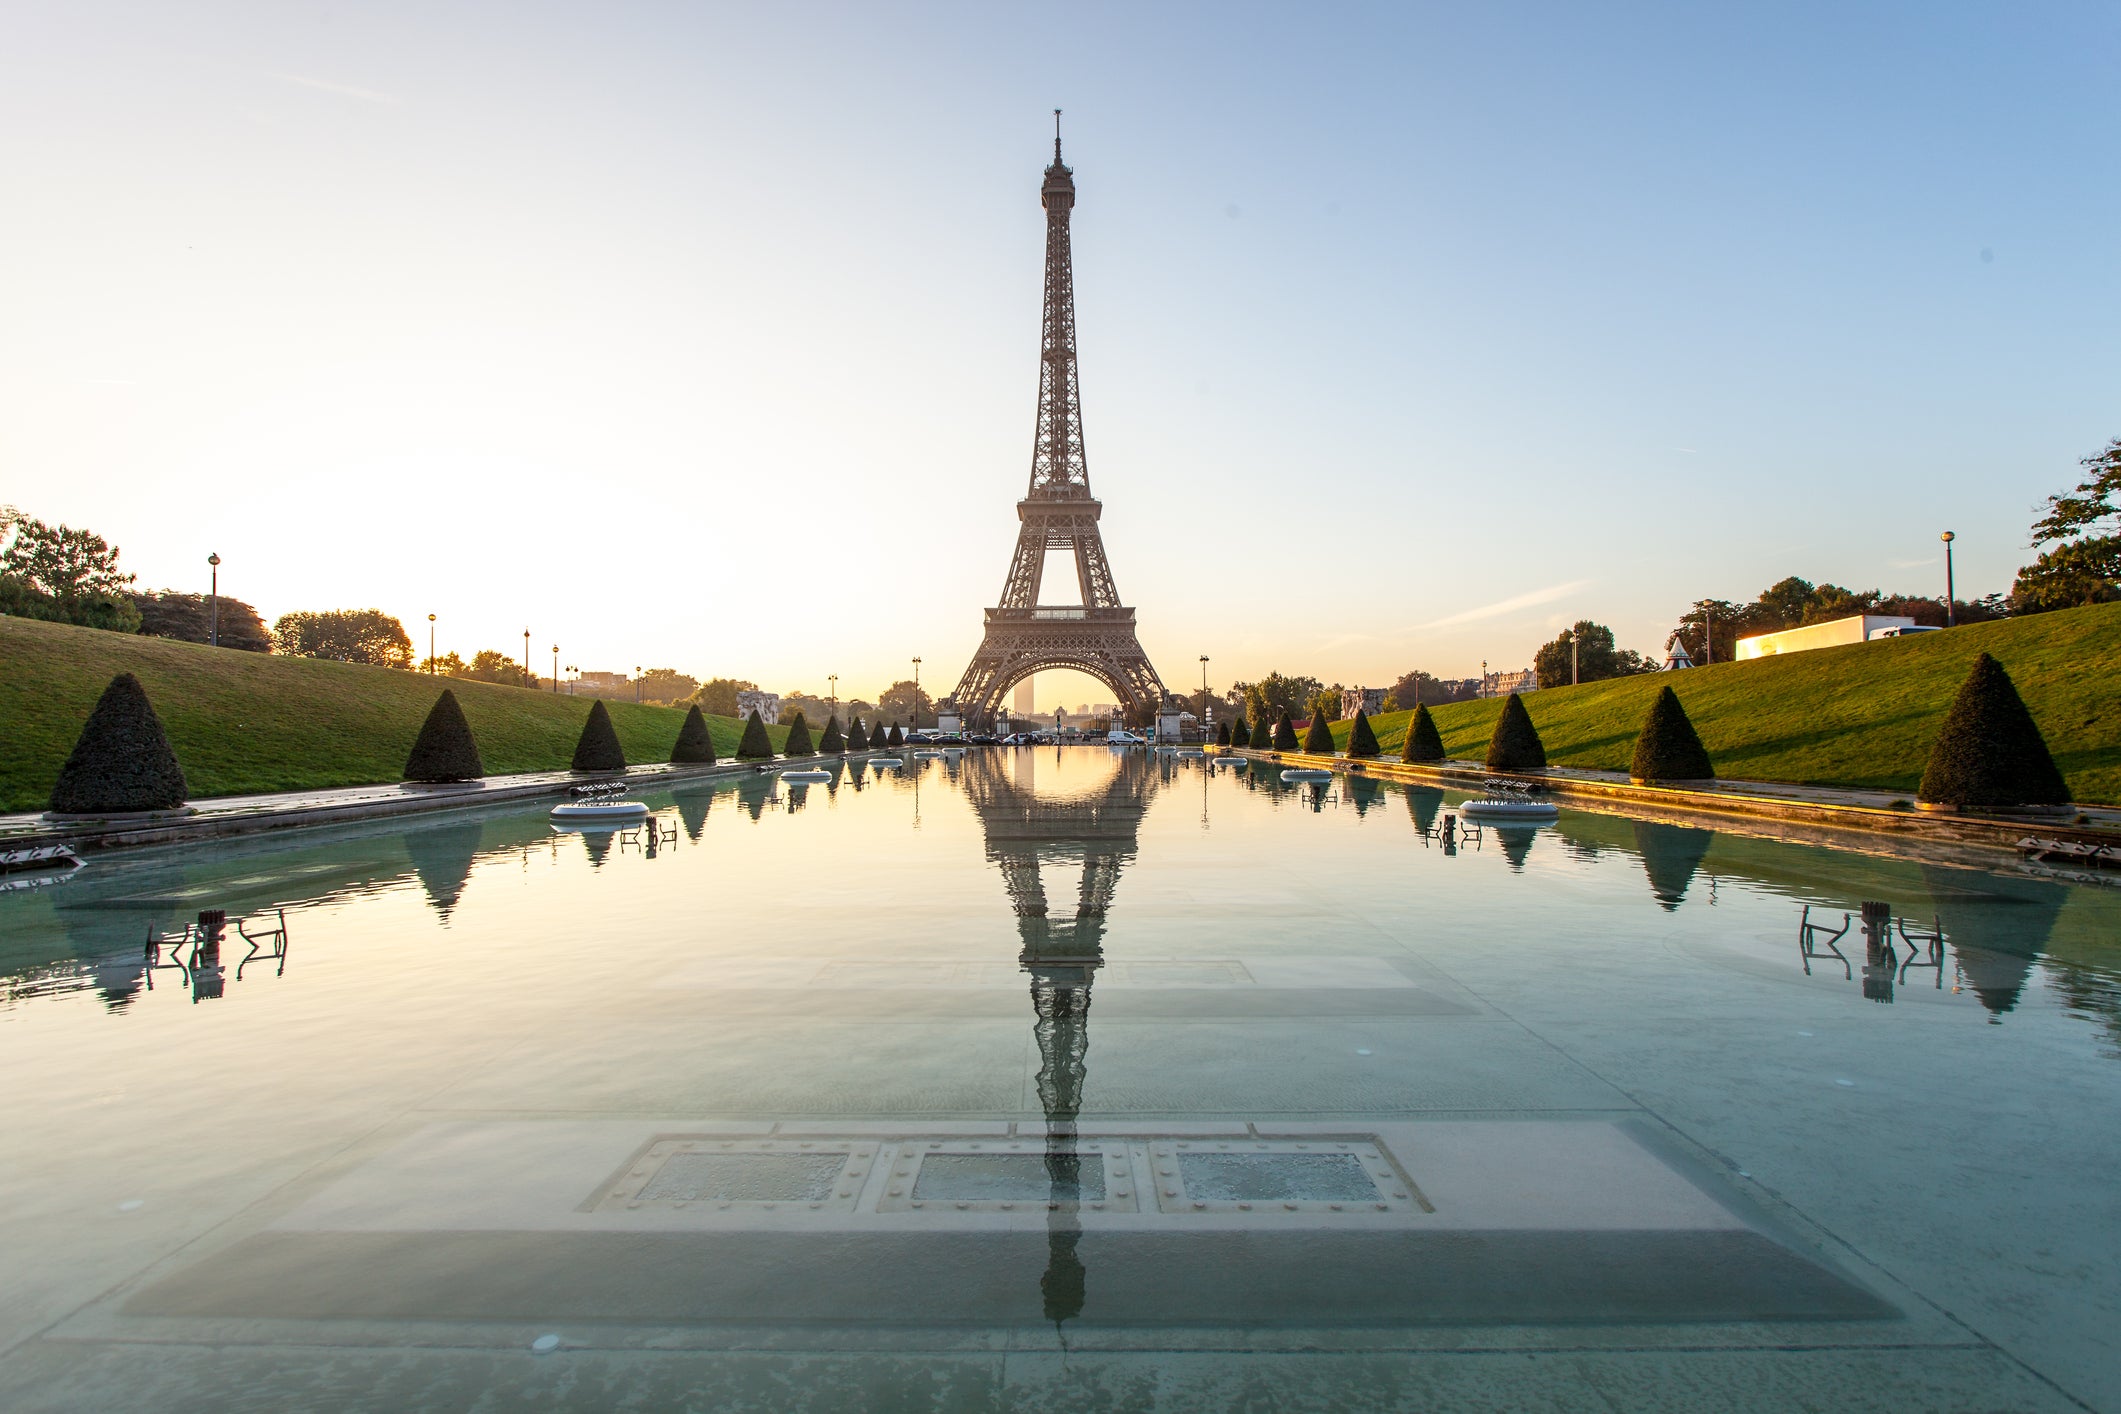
x=857, y=736
x=756, y=745
x=897, y=737
x=1990, y=752
x=598, y=749
x=1285, y=734
x=1318, y=737
x=1516, y=745
x=832, y=743
x=1669, y=748
x=798, y=742
x=445, y=750
x=695, y=744
x=122, y=760
x=1424, y=742
x=1241, y=734
x=1362, y=742
x=1222, y=733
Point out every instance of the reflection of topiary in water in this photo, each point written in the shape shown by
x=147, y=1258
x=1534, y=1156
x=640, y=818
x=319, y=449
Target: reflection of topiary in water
x=756, y=745
x=695, y=744
x=897, y=737
x=1424, y=742
x=445, y=750
x=1669, y=748
x=122, y=760
x=598, y=749
x=1990, y=751
x=1362, y=742
x=1516, y=745
x=832, y=743
x=1222, y=733
x=1285, y=734
x=1241, y=734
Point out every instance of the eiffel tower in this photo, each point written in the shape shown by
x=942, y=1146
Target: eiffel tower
x=1024, y=636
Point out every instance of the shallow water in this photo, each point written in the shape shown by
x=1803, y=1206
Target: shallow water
x=1059, y=1077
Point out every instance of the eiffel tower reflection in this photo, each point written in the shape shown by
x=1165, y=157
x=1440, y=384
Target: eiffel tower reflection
x=1026, y=832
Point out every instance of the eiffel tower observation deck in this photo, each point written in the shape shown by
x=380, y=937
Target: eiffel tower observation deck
x=1025, y=635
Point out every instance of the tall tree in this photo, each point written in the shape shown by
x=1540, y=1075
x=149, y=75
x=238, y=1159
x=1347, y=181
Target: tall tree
x=901, y=700
x=60, y=562
x=718, y=695
x=62, y=575
x=1594, y=656
x=1276, y=694
x=193, y=618
x=347, y=635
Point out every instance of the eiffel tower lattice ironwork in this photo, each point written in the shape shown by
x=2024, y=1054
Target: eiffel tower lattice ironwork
x=1024, y=636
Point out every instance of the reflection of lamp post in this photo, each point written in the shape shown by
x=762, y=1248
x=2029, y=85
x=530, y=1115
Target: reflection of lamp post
x=916, y=694
x=431, y=669
x=555, y=670
x=213, y=599
x=1950, y=617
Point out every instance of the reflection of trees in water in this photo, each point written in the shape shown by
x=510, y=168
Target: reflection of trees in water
x=1670, y=855
x=1998, y=928
x=1516, y=842
x=1424, y=804
x=1363, y=793
x=693, y=806
x=597, y=843
x=1026, y=830
x=442, y=857
x=754, y=793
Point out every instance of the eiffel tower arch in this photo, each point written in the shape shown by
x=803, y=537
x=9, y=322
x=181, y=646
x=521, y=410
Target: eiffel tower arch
x=1023, y=634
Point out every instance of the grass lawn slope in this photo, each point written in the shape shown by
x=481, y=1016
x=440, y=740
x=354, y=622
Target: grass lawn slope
x=1860, y=715
x=244, y=722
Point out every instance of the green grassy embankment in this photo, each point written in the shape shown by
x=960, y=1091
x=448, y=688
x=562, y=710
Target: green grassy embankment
x=245, y=722
x=1859, y=715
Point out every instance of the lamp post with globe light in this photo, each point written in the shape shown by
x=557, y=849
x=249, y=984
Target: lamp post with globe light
x=213, y=600
x=1951, y=617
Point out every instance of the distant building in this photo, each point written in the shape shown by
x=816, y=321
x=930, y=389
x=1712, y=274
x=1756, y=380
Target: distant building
x=600, y=685
x=1857, y=628
x=1503, y=684
x=766, y=704
x=1367, y=700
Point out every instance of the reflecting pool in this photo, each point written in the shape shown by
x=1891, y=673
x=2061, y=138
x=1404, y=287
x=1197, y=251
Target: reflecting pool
x=1057, y=1077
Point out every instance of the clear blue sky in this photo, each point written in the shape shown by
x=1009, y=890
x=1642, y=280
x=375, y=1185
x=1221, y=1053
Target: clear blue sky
x=1408, y=333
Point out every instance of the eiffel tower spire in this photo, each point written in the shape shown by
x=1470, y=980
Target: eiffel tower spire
x=1096, y=636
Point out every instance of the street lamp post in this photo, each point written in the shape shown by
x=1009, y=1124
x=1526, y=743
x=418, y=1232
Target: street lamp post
x=636, y=682
x=1951, y=616
x=916, y=694
x=570, y=682
x=1204, y=694
x=431, y=668
x=213, y=600
x=555, y=670
x=833, y=695
x=529, y=678
x=1483, y=677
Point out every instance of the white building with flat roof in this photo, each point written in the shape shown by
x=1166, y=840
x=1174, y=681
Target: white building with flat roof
x=1857, y=628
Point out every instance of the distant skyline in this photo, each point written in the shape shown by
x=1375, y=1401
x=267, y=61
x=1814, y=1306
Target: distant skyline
x=706, y=337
